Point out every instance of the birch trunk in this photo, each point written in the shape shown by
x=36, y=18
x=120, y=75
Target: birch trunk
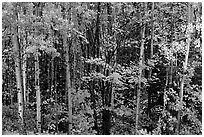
x=19, y=81
x=38, y=94
x=184, y=66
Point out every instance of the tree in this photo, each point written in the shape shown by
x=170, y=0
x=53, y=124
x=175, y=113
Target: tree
x=141, y=58
x=151, y=54
x=68, y=82
x=19, y=80
x=102, y=68
x=185, y=64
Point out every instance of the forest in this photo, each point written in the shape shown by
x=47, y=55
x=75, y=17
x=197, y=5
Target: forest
x=102, y=68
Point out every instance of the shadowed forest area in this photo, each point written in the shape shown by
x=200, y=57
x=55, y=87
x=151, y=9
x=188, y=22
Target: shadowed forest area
x=98, y=68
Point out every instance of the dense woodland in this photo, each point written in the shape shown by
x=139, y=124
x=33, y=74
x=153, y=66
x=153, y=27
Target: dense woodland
x=99, y=68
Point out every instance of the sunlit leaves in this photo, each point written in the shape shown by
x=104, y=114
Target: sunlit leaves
x=116, y=77
x=31, y=49
x=98, y=62
x=123, y=111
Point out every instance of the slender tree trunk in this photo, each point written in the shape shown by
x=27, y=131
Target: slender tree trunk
x=92, y=83
x=108, y=86
x=11, y=89
x=74, y=48
x=48, y=78
x=52, y=82
x=19, y=85
x=114, y=62
x=97, y=43
x=184, y=66
x=19, y=81
x=68, y=83
x=172, y=35
x=81, y=65
x=165, y=89
x=38, y=94
x=140, y=76
x=37, y=81
x=151, y=56
x=24, y=78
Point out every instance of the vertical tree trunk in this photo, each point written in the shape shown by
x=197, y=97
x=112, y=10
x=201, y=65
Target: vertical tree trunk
x=151, y=56
x=18, y=71
x=68, y=83
x=37, y=81
x=184, y=66
x=19, y=85
x=38, y=94
x=52, y=82
x=11, y=90
x=107, y=87
x=80, y=49
x=165, y=89
x=92, y=83
x=114, y=62
x=24, y=78
x=74, y=47
x=172, y=35
x=48, y=78
x=140, y=76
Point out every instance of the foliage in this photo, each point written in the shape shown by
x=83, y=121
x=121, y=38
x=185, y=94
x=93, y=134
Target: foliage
x=103, y=41
x=10, y=118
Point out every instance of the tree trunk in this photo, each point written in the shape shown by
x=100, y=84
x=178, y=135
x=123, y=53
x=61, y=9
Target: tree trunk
x=171, y=60
x=38, y=94
x=19, y=85
x=92, y=83
x=140, y=76
x=68, y=83
x=151, y=56
x=184, y=67
x=114, y=62
x=107, y=87
x=37, y=81
x=19, y=81
x=74, y=48
x=52, y=84
x=48, y=78
x=24, y=78
x=165, y=89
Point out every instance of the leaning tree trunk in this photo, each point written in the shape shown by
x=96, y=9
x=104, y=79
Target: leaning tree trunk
x=19, y=81
x=140, y=77
x=184, y=66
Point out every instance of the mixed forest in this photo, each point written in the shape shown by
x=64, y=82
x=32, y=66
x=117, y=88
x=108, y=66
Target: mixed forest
x=99, y=68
